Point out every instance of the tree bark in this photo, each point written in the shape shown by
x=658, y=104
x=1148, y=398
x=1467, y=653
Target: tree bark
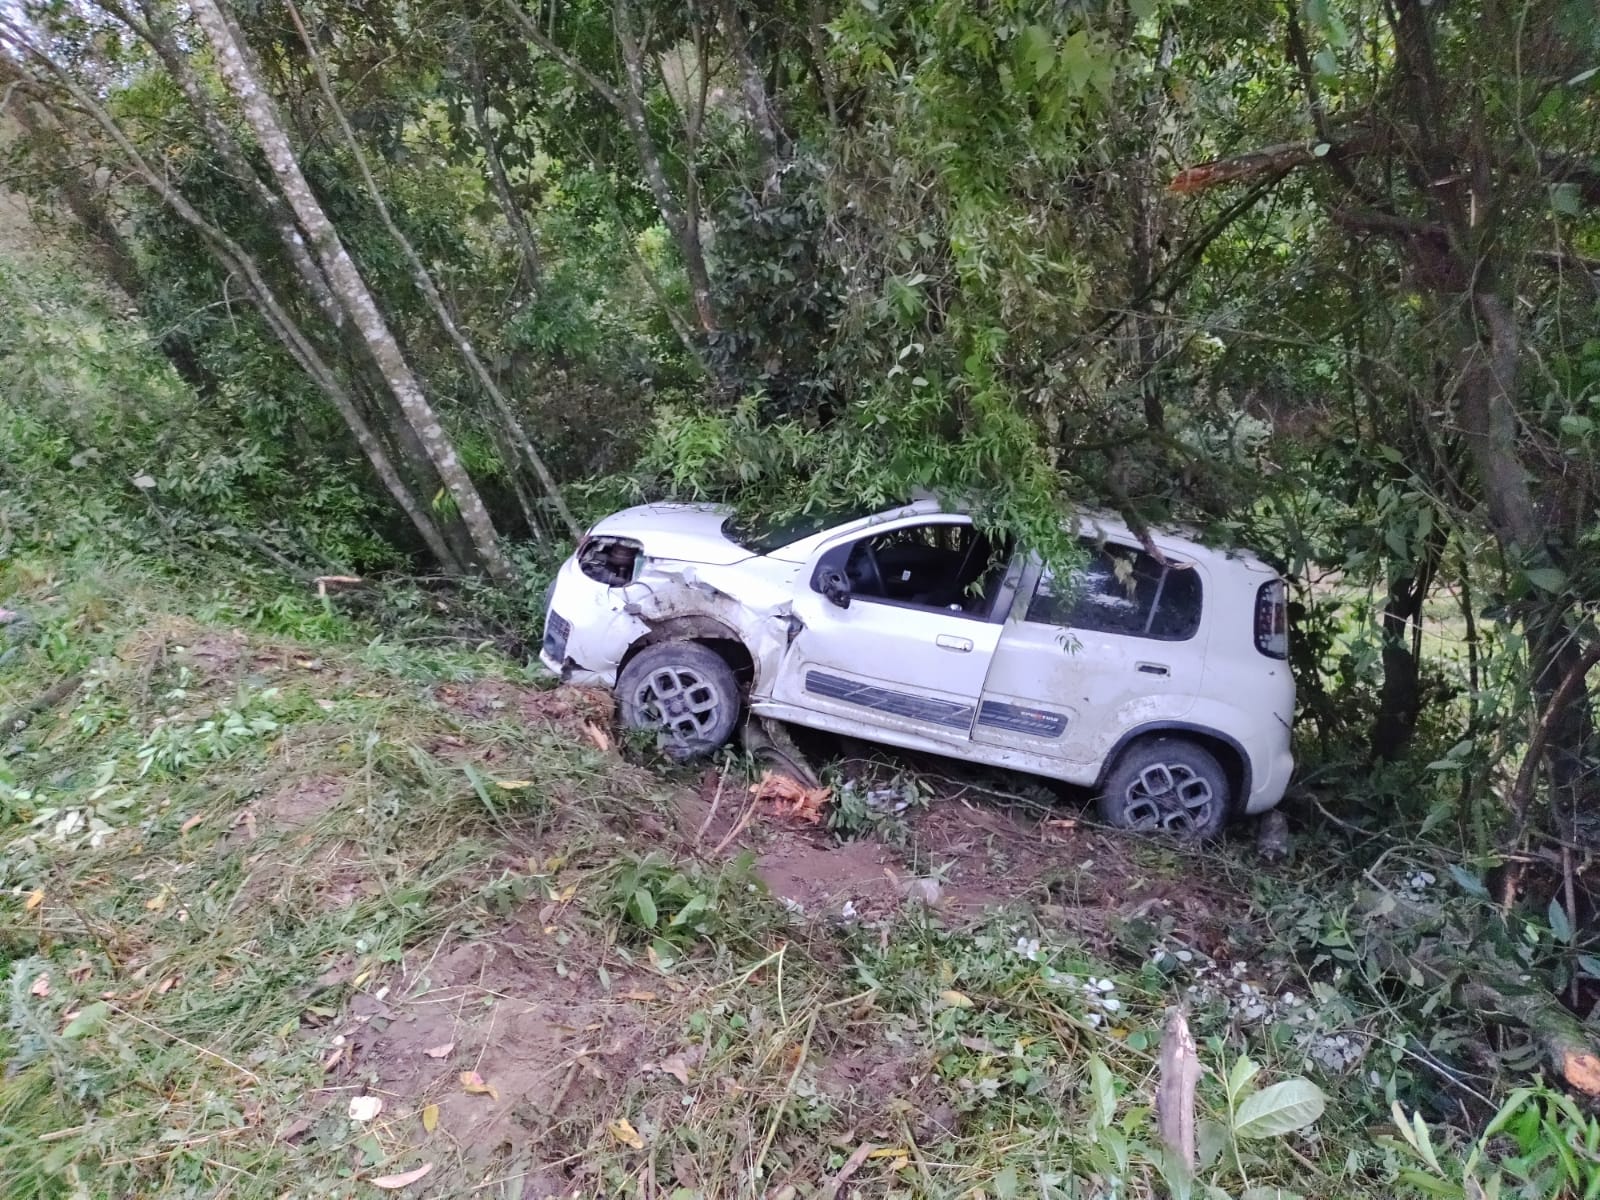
x=757, y=101
x=430, y=291
x=685, y=225
x=532, y=266
x=348, y=286
x=238, y=263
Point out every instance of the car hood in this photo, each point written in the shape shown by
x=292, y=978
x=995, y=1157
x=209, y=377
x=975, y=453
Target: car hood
x=686, y=532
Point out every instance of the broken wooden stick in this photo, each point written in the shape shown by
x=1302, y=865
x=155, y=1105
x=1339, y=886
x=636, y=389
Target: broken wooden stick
x=1179, y=1067
x=16, y=719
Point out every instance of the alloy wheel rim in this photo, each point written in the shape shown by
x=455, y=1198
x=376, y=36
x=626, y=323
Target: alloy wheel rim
x=1170, y=797
x=680, y=703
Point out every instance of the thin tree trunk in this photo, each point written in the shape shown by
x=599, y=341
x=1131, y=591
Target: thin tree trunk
x=1489, y=424
x=629, y=102
x=1400, y=698
x=106, y=245
x=685, y=226
x=532, y=266
x=425, y=284
x=237, y=261
x=348, y=286
x=156, y=31
x=757, y=101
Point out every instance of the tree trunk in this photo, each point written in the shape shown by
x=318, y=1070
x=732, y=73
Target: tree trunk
x=1488, y=419
x=234, y=259
x=156, y=32
x=532, y=267
x=430, y=291
x=348, y=286
x=1400, y=699
x=685, y=226
x=757, y=100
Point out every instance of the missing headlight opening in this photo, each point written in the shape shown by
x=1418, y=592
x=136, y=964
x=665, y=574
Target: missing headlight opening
x=609, y=560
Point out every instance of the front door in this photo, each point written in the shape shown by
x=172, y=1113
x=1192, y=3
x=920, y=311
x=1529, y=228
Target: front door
x=910, y=650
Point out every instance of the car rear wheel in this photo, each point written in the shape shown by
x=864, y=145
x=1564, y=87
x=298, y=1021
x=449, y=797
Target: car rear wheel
x=1173, y=786
x=684, y=693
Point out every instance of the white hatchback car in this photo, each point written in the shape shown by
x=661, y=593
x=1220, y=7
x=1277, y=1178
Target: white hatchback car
x=1159, y=680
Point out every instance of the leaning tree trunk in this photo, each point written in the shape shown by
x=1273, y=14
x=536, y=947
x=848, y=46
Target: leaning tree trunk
x=238, y=263
x=430, y=291
x=347, y=284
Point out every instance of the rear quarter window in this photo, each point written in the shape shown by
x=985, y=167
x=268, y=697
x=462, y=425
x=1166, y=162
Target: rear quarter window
x=1122, y=591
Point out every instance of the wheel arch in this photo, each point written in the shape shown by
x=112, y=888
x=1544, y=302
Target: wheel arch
x=1229, y=752
x=715, y=634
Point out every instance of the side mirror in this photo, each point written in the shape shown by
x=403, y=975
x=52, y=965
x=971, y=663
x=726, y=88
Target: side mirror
x=836, y=587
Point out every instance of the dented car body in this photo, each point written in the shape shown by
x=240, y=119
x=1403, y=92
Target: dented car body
x=1157, y=674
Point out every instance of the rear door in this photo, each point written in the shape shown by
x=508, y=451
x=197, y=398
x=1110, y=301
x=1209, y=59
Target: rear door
x=911, y=650
x=1084, y=659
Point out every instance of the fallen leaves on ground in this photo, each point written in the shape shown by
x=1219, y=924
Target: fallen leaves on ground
x=41, y=986
x=791, y=798
x=678, y=1066
x=473, y=1084
x=364, y=1108
x=430, y=1117
x=35, y=898
x=623, y=1131
x=956, y=999
x=394, y=1182
x=440, y=1051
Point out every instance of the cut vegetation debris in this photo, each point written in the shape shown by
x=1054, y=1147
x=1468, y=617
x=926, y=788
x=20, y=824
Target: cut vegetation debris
x=294, y=910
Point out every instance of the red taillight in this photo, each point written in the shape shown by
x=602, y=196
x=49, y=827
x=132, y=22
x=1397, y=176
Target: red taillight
x=1272, y=619
x=608, y=560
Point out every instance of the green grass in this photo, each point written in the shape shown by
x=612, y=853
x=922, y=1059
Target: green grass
x=260, y=852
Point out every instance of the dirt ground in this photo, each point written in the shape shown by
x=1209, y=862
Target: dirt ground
x=555, y=1045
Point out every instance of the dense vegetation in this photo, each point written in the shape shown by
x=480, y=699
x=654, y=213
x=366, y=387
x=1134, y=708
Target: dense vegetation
x=415, y=291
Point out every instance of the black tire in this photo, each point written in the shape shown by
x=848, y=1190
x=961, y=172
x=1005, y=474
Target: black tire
x=1167, y=785
x=683, y=692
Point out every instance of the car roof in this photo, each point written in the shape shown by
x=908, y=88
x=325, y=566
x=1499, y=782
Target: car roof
x=1091, y=523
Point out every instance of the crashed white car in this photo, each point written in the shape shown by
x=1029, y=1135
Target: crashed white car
x=1160, y=680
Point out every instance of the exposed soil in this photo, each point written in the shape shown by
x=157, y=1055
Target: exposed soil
x=558, y=1048
x=553, y=1046
x=575, y=709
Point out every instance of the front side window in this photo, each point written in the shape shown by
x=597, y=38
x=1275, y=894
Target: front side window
x=1123, y=591
x=948, y=566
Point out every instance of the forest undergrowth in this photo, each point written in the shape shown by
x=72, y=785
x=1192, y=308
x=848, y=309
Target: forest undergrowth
x=306, y=896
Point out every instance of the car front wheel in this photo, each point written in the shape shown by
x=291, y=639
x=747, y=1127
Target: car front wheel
x=684, y=693
x=1167, y=785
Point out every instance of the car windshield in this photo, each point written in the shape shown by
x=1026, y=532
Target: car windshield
x=766, y=534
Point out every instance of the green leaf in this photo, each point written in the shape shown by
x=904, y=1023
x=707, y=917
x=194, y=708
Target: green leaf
x=1078, y=60
x=1547, y=579
x=1576, y=425
x=89, y=1020
x=1005, y=1183
x=1036, y=51
x=644, y=907
x=691, y=910
x=1105, y=1093
x=1279, y=1109
x=1589, y=965
x=1565, y=199
x=1468, y=882
x=1559, y=925
x=1239, y=1078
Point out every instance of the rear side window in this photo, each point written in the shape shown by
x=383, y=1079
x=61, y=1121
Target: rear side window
x=1122, y=591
